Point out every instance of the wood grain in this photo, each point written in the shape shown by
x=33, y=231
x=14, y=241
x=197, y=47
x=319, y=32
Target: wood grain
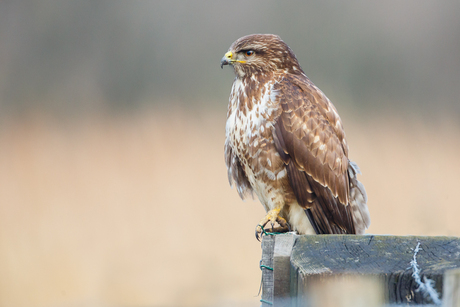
x=387, y=257
x=316, y=261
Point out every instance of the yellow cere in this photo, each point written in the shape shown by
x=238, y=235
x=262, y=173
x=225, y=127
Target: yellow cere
x=229, y=55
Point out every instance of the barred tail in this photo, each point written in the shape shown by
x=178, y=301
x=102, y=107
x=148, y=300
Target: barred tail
x=358, y=200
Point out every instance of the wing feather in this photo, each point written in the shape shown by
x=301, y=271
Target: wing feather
x=309, y=138
x=236, y=173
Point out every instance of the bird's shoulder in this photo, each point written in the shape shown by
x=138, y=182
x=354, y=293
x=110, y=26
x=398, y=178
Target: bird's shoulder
x=298, y=94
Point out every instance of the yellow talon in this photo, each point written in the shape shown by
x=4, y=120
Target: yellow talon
x=272, y=217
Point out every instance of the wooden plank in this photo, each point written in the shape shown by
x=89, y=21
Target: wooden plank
x=282, y=269
x=268, y=246
x=386, y=257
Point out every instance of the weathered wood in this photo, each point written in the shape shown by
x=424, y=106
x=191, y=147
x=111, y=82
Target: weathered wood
x=386, y=257
x=451, y=288
x=300, y=262
x=268, y=246
x=282, y=269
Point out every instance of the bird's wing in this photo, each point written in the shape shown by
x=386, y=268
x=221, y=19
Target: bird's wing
x=236, y=172
x=309, y=138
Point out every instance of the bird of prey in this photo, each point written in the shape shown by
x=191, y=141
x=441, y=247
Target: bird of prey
x=285, y=142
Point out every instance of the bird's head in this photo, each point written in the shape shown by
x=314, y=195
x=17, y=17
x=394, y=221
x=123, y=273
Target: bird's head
x=260, y=53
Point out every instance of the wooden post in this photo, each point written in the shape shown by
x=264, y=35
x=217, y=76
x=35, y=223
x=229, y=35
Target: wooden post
x=276, y=267
x=266, y=265
x=451, y=288
x=411, y=269
x=390, y=258
x=282, y=269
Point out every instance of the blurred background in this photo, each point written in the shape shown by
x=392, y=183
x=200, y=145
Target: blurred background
x=113, y=187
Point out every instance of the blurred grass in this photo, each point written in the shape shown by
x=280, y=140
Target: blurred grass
x=136, y=210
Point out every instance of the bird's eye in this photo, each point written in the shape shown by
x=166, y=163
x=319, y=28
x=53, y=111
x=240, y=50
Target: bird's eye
x=249, y=53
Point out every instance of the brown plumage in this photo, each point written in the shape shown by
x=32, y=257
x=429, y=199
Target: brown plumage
x=286, y=143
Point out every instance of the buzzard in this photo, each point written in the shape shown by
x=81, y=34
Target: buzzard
x=285, y=142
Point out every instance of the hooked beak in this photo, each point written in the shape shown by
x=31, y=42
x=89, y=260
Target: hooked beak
x=228, y=60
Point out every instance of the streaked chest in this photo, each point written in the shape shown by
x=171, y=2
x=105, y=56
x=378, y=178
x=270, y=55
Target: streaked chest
x=251, y=113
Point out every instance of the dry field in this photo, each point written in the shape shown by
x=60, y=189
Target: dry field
x=136, y=210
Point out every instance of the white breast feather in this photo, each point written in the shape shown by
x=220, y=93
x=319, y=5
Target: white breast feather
x=240, y=128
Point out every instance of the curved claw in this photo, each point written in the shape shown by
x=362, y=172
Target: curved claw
x=272, y=217
x=282, y=222
x=285, y=225
x=259, y=233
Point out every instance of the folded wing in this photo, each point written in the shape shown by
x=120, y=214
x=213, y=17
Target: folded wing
x=309, y=138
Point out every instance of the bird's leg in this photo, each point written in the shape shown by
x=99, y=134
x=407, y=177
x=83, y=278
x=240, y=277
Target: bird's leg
x=272, y=217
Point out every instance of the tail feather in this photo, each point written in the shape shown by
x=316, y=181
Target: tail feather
x=358, y=200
